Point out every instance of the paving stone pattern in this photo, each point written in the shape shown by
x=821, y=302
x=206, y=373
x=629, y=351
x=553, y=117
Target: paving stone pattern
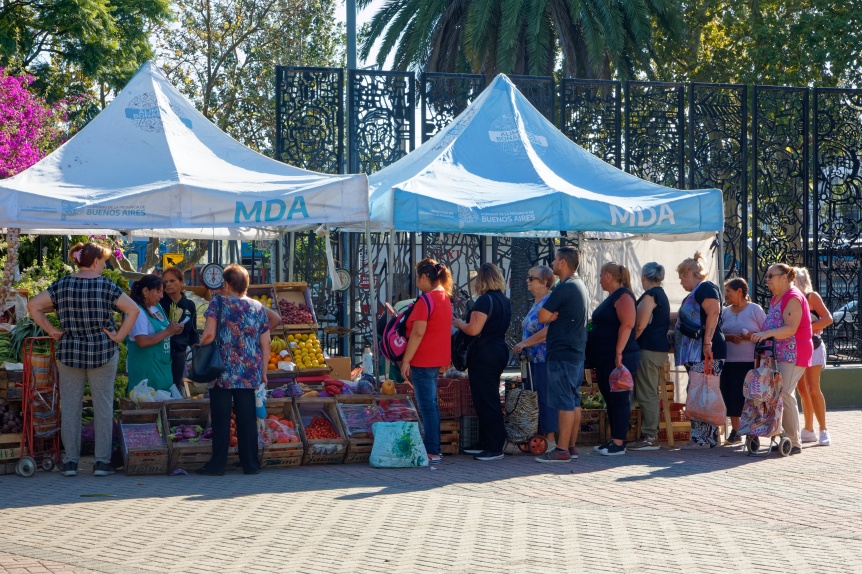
x=664, y=511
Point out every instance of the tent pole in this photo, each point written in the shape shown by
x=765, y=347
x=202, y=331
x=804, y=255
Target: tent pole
x=720, y=257
x=372, y=298
x=390, y=279
x=291, y=239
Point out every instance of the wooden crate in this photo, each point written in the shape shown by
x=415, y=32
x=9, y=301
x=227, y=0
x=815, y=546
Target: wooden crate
x=12, y=390
x=299, y=294
x=143, y=460
x=10, y=447
x=320, y=451
x=255, y=291
x=282, y=455
x=469, y=434
x=359, y=445
x=592, y=429
x=450, y=433
x=188, y=456
x=412, y=412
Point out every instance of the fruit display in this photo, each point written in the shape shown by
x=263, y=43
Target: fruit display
x=293, y=314
x=321, y=428
x=263, y=299
x=189, y=433
x=305, y=351
x=388, y=387
x=358, y=419
x=279, y=431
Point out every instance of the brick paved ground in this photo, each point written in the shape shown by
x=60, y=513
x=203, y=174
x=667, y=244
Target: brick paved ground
x=665, y=511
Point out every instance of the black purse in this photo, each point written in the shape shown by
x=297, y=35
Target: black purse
x=689, y=329
x=206, y=364
x=462, y=342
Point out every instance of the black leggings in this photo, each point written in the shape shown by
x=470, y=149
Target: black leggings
x=246, y=428
x=618, y=405
x=484, y=369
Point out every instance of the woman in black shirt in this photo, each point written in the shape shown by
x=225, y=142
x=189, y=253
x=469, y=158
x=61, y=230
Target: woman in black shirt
x=173, y=279
x=612, y=345
x=489, y=355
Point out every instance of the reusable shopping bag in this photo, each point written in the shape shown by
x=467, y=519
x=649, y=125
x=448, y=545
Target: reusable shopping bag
x=704, y=401
x=397, y=445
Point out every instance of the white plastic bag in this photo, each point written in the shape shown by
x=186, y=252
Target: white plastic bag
x=142, y=392
x=161, y=396
x=175, y=392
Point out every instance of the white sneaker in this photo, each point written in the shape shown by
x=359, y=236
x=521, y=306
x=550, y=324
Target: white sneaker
x=809, y=436
x=824, y=438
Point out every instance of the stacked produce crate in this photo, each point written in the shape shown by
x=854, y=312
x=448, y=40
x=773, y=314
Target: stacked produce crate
x=283, y=446
x=145, y=450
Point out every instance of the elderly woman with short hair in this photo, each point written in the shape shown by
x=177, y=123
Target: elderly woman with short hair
x=540, y=280
x=651, y=326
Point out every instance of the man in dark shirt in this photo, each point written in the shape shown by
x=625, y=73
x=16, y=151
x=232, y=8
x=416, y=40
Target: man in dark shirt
x=173, y=279
x=566, y=312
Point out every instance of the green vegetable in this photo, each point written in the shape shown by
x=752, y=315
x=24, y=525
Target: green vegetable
x=25, y=329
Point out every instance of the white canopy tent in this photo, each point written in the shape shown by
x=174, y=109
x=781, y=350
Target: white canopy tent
x=150, y=163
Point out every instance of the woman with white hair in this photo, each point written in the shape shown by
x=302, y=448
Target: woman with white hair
x=813, y=401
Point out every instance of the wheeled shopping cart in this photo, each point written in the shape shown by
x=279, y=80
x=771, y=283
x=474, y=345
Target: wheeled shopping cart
x=761, y=414
x=40, y=437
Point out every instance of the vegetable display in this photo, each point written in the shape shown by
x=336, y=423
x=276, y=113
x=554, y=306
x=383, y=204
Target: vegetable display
x=320, y=428
x=279, y=431
x=292, y=314
x=142, y=436
x=13, y=420
x=395, y=410
x=306, y=351
x=24, y=329
x=388, y=387
x=592, y=401
x=189, y=433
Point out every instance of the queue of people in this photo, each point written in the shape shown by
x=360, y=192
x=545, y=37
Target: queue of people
x=623, y=332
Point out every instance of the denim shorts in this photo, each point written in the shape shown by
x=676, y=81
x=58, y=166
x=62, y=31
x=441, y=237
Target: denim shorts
x=564, y=384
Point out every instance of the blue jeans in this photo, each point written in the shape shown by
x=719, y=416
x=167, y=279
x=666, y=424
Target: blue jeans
x=548, y=416
x=424, y=381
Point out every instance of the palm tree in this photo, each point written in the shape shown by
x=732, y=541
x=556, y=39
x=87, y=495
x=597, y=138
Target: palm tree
x=596, y=38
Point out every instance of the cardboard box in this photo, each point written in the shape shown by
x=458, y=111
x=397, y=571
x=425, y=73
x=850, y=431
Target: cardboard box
x=340, y=366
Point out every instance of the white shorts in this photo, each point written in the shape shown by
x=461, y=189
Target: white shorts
x=819, y=356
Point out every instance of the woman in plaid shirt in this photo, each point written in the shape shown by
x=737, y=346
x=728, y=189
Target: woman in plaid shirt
x=86, y=348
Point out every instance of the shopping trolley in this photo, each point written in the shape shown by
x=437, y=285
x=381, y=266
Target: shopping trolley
x=40, y=437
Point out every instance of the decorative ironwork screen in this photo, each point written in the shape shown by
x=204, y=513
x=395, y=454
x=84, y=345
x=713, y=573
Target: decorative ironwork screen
x=462, y=253
x=309, y=119
x=655, y=130
x=718, y=140
x=837, y=216
x=590, y=115
x=539, y=91
x=382, y=118
x=444, y=96
x=780, y=181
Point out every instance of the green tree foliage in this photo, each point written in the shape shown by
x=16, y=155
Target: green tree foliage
x=223, y=53
x=73, y=46
x=780, y=42
x=594, y=38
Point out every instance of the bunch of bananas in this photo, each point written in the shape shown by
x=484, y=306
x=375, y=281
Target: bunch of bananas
x=278, y=345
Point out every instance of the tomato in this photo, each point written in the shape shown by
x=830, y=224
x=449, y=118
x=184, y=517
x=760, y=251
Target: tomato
x=233, y=441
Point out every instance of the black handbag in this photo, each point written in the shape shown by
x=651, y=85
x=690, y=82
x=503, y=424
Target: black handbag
x=206, y=364
x=817, y=340
x=462, y=342
x=689, y=329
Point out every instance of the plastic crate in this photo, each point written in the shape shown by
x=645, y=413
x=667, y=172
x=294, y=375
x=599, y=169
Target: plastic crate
x=469, y=431
x=449, y=398
x=467, y=408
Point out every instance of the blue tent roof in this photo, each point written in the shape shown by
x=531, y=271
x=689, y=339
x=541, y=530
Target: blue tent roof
x=501, y=167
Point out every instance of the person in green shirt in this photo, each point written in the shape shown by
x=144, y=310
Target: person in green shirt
x=148, y=344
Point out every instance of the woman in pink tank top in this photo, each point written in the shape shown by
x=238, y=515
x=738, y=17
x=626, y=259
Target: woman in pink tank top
x=788, y=321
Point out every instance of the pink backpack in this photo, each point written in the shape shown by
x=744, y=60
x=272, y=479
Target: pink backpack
x=393, y=337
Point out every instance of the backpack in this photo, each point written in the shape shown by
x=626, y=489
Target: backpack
x=393, y=337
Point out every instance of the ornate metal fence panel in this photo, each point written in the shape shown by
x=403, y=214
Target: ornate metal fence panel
x=310, y=118
x=462, y=253
x=837, y=216
x=539, y=91
x=591, y=116
x=444, y=96
x=381, y=108
x=718, y=142
x=780, y=181
x=655, y=132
